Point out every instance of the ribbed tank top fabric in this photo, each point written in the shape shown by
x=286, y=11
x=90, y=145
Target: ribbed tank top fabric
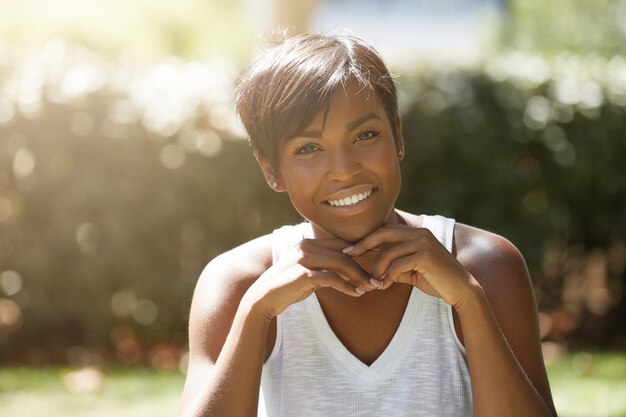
x=422, y=372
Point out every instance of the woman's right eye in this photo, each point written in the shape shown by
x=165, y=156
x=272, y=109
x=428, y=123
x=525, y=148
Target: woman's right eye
x=305, y=149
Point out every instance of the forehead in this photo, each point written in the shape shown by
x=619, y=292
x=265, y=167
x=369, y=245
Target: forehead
x=349, y=103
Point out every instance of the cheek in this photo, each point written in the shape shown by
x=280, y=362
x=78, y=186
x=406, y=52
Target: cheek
x=385, y=161
x=302, y=185
x=300, y=177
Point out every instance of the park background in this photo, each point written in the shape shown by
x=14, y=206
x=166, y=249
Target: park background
x=123, y=171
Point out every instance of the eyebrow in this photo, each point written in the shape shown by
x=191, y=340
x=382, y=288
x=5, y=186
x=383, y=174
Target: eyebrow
x=349, y=127
x=358, y=122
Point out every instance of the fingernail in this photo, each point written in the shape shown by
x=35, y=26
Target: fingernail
x=360, y=290
x=348, y=249
x=375, y=282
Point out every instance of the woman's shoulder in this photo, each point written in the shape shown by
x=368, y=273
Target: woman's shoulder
x=241, y=265
x=493, y=260
x=225, y=280
x=235, y=270
x=221, y=286
x=477, y=245
x=491, y=256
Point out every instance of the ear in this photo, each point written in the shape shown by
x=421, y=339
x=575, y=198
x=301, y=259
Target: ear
x=270, y=173
x=399, y=141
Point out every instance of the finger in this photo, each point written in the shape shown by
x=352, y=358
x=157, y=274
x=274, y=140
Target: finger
x=409, y=269
x=344, y=266
x=370, y=242
x=325, y=279
x=403, y=272
x=382, y=283
x=315, y=256
x=380, y=236
x=394, y=252
x=331, y=243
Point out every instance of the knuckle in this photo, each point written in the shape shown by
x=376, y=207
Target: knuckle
x=384, y=259
x=298, y=247
x=301, y=251
x=430, y=236
x=424, y=235
x=348, y=266
x=392, y=270
x=427, y=255
x=300, y=257
x=312, y=279
x=346, y=259
x=305, y=244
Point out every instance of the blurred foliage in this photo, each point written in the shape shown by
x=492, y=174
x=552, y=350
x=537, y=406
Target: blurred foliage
x=578, y=26
x=532, y=150
x=141, y=29
x=112, y=199
x=119, y=182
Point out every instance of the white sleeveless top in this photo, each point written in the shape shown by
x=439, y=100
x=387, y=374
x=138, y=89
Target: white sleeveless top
x=422, y=372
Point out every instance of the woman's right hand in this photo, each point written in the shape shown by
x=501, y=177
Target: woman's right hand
x=308, y=266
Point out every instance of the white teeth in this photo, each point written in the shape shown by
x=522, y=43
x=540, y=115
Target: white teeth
x=348, y=201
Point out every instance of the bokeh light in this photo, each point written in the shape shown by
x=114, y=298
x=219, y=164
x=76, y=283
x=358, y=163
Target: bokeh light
x=11, y=282
x=164, y=358
x=10, y=314
x=123, y=303
x=145, y=312
x=84, y=380
x=127, y=346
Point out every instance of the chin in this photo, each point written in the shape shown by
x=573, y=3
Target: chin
x=352, y=232
x=350, y=229
x=352, y=236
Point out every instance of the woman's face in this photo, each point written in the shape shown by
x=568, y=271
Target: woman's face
x=342, y=172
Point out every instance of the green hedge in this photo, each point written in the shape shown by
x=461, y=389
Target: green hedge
x=110, y=206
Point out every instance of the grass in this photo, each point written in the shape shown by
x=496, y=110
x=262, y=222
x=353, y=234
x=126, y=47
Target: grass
x=124, y=392
x=589, y=385
x=583, y=385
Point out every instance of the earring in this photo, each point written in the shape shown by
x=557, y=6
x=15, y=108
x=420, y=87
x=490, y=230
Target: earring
x=401, y=153
x=274, y=185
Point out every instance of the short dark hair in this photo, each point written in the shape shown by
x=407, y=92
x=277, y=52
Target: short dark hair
x=286, y=86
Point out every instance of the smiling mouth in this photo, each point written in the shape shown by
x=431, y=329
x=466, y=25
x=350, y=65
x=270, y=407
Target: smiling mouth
x=350, y=200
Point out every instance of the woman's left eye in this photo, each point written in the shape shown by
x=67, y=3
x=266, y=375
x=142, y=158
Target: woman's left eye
x=368, y=134
x=305, y=149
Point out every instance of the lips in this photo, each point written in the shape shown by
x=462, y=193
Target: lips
x=350, y=197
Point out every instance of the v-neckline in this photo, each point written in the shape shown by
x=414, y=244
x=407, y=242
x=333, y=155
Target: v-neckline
x=392, y=354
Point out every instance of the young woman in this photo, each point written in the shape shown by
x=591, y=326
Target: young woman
x=363, y=309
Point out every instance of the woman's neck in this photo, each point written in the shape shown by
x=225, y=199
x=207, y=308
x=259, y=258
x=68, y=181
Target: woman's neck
x=312, y=231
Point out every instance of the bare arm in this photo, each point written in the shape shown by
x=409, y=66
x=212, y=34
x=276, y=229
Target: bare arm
x=222, y=326
x=233, y=389
x=233, y=307
x=503, y=351
x=501, y=332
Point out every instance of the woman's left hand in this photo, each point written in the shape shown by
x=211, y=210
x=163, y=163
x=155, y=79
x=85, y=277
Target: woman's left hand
x=415, y=256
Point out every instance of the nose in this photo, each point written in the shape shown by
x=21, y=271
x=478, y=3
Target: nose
x=343, y=165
